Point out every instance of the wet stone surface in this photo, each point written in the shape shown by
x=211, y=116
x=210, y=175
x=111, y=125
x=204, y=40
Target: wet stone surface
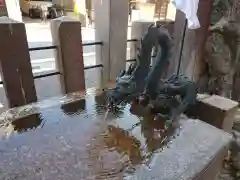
x=72, y=138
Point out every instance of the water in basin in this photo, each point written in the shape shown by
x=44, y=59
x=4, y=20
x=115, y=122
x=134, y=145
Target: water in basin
x=71, y=139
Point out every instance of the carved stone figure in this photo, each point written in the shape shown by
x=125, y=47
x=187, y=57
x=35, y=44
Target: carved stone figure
x=221, y=75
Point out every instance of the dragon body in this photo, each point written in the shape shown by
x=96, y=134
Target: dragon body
x=173, y=97
x=132, y=82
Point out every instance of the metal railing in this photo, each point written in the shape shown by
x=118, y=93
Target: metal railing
x=132, y=40
x=55, y=47
x=42, y=48
x=134, y=59
x=53, y=73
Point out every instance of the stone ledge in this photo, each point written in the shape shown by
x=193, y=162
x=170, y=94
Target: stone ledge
x=215, y=110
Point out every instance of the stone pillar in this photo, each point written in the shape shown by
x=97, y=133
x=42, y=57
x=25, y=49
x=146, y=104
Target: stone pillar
x=16, y=70
x=66, y=34
x=111, y=23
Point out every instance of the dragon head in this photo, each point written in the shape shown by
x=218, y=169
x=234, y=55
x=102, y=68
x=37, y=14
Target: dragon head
x=125, y=86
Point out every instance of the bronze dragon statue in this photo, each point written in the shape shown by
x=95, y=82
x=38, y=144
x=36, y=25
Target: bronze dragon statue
x=144, y=85
x=133, y=81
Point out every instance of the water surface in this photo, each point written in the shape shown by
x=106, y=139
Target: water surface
x=72, y=139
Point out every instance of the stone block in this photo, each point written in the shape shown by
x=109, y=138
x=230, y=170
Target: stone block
x=215, y=110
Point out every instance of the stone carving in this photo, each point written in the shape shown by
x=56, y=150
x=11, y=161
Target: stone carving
x=221, y=75
x=222, y=72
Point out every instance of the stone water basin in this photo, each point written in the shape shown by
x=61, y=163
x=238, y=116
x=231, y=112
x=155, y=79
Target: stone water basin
x=71, y=138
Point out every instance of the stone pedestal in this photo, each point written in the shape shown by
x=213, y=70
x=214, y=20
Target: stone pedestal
x=67, y=36
x=215, y=110
x=16, y=70
x=111, y=23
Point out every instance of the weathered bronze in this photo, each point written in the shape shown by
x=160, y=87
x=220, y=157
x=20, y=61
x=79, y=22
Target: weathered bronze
x=165, y=98
x=133, y=81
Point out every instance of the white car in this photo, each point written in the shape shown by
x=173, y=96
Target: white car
x=35, y=8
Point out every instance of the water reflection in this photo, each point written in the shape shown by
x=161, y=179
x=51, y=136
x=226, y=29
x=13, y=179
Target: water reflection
x=74, y=107
x=82, y=141
x=26, y=123
x=125, y=141
x=101, y=105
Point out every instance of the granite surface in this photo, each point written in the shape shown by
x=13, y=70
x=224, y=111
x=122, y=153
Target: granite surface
x=72, y=138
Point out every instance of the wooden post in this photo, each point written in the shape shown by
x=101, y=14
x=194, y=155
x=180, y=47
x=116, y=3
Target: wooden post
x=15, y=65
x=67, y=36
